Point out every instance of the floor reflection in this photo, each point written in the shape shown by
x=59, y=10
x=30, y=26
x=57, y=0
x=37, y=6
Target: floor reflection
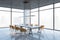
x=45, y=35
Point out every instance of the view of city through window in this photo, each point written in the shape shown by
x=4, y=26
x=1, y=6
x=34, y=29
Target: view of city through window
x=46, y=16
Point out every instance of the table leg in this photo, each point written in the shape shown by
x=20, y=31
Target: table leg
x=38, y=29
x=30, y=31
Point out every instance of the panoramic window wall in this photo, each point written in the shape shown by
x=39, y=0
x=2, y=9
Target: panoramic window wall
x=57, y=16
x=46, y=7
x=46, y=16
x=4, y=17
x=34, y=19
x=17, y=17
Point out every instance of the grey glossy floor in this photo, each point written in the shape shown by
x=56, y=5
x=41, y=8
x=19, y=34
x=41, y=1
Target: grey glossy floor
x=45, y=35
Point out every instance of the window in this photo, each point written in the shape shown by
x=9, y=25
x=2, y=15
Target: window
x=57, y=18
x=4, y=19
x=46, y=18
x=46, y=7
x=27, y=17
x=4, y=9
x=17, y=10
x=17, y=18
x=57, y=5
x=34, y=19
x=33, y=10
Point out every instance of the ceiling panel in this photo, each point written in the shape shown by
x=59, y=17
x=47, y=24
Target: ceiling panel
x=18, y=4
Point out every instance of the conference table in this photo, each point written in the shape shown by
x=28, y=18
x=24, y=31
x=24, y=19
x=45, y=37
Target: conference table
x=30, y=28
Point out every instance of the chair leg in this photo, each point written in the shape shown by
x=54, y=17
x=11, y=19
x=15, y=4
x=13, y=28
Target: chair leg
x=30, y=31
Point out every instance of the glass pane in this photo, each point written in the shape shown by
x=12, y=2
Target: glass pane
x=27, y=17
x=4, y=19
x=36, y=9
x=57, y=18
x=34, y=19
x=46, y=18
x=57, y=5
x=17, y=18
x=17, y=10
x=46, y=7
x=4, y=9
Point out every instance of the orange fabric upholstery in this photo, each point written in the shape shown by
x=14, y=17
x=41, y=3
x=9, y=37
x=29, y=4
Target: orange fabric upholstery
x=42, y=27
x=17, y=28
x=12, y=27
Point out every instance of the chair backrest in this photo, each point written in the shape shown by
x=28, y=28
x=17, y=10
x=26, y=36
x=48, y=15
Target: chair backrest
x=20, y=28
x=12, y=27
x=17, y=28
x=42, y=27
x=23, y=30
